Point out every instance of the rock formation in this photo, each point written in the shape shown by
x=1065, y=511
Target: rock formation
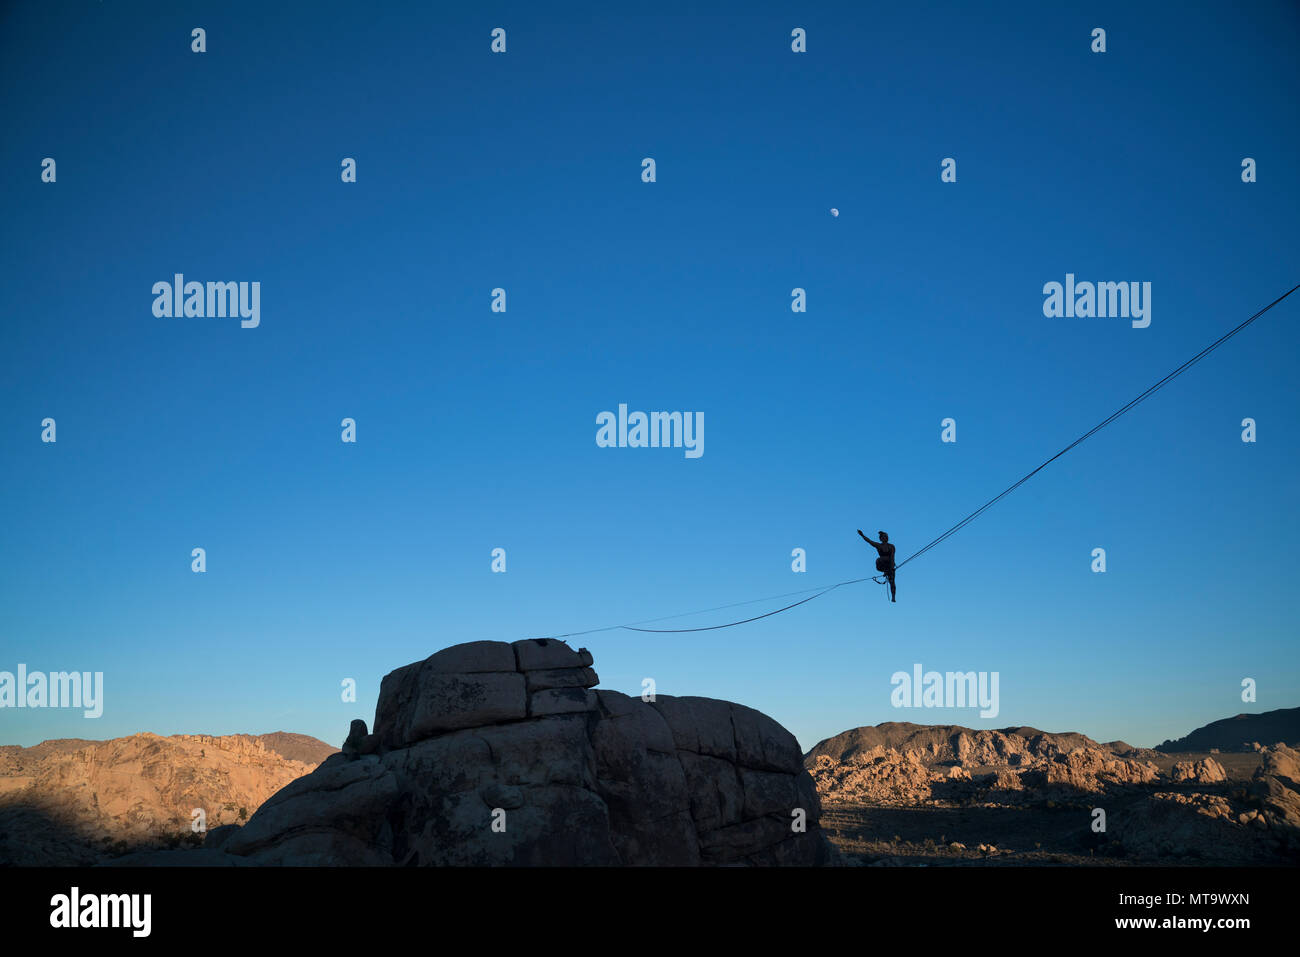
x=73, y=801
x=490, y=753
x=968, y=746
x=1205, y=771
x=1216, y=828
x=1093, y=770
x=960, y=764
x=1276, y=789
x=1196, y=811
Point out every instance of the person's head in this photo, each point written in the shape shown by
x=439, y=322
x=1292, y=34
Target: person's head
x=884, y=536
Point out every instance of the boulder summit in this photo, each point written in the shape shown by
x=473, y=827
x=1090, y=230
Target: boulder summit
x=491, y=753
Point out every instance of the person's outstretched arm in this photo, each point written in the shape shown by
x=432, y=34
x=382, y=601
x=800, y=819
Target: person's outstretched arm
x=865, y=539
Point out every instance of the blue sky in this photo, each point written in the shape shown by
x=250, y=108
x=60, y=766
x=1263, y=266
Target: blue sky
x=477, y=429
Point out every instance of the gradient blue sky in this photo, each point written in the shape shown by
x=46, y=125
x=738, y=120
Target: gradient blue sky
x=477, y=430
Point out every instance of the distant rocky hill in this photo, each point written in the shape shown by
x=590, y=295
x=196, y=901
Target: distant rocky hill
x=950, y=742
x=902, y=764
x=1241, y=732
x=1162, y=809
x=73, y=801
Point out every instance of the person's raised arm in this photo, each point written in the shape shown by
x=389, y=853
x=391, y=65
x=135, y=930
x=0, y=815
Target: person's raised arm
x=865, y=539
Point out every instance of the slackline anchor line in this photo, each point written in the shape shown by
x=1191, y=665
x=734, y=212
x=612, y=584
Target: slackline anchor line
x=950, y=531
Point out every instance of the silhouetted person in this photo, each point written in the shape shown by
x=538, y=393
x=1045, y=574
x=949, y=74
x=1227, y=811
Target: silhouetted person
x=885, y=563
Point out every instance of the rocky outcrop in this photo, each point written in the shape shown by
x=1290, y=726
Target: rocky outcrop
x=1029, y=770
x=1205, y=771
x=1197, y=812
x=84, y=802
x=490, y=753
x=1090, y=770
x=1276, y=789
x=879, y=776
x=1235, y=828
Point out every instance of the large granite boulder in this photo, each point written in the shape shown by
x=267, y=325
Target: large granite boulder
x=490, y=753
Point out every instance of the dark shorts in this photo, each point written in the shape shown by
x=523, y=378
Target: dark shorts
x=885, y=565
